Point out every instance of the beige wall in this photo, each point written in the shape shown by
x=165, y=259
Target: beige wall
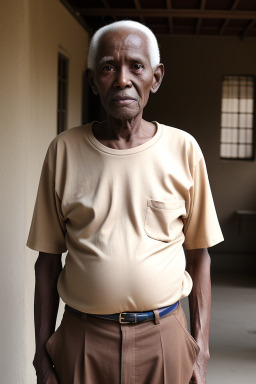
x=13, y=80
x=32, y=33
x=189, y=99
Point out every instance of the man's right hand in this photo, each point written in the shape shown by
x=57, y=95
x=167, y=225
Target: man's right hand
x=47, y=268
x=49, y=378
x=45, y=372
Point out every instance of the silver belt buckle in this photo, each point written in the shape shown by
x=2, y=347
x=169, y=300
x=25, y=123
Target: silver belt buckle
x=126, y=322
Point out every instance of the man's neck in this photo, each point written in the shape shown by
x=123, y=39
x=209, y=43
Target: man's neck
x=124, y=134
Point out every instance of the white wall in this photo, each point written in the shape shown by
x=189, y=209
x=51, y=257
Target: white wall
x=32, y=33
x=190, y=99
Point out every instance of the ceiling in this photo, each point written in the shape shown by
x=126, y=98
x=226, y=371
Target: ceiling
x=174, y=17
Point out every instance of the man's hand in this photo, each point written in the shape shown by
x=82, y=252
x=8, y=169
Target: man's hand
x=47, y=269
x=199, y=373
x=198, y=265
x=48, y=377
x=44, y=370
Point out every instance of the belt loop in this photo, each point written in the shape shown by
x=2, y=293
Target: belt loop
x=157, y=318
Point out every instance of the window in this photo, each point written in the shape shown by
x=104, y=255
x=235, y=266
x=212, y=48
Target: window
x=237, y=133
x=62, y=93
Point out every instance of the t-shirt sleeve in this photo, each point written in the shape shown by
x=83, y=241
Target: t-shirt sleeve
x=47, y=231
x=201, y=227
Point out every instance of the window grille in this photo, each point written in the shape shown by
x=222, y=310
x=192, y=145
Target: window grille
x=237, y=120
x=62, y=93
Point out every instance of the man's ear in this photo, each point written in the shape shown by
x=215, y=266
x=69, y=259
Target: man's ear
x=90, y=78
x=158, y=71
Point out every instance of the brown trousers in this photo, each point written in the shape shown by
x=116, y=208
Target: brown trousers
x=87, y=350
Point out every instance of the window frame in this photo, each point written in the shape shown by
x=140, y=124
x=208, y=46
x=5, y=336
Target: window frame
x=253, y=142
x=62, y=92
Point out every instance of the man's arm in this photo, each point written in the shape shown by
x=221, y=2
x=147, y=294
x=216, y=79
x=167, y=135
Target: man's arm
x=47, y=270
x=198, y=266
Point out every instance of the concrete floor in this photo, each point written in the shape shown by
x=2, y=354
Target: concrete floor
x=233, y=330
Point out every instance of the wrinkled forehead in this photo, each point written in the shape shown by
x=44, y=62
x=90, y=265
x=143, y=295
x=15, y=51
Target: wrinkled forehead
x=128, y=40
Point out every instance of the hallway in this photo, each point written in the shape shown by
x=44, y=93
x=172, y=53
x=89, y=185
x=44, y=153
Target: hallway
x=233, y=330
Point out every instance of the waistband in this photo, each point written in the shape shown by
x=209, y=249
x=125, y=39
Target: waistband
x=131, y=317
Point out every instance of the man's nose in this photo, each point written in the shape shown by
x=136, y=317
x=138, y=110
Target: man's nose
x=122, y=79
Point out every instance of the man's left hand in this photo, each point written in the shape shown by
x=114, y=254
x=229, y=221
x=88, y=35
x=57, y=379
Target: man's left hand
x=199, y=373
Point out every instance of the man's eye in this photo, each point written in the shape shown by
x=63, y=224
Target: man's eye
x=137, y=66
x=108, y=68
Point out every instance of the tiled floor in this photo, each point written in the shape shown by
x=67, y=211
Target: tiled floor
x=233, y=331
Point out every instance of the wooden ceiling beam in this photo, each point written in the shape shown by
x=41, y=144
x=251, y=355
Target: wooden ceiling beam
x=236, y=31
x=199, y=21
x=179, y=13
x=248, y=28
x=138, y=6
x=105, y=3
x=225, y=24
x=170, y=21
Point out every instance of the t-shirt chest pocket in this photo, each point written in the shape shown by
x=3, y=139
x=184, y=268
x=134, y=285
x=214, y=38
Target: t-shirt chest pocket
x=163, y=220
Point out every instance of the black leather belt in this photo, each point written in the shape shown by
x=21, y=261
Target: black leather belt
x=131, y=317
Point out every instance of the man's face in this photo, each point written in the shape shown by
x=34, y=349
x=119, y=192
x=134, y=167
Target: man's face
x=123, y=75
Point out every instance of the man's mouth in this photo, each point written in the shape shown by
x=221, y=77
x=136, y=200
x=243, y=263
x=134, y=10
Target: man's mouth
x=123, y=100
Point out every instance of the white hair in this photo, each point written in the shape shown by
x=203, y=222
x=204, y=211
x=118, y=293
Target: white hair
x=153, y=48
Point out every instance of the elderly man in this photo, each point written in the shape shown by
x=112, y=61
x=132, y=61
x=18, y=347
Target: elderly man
x=123, y=197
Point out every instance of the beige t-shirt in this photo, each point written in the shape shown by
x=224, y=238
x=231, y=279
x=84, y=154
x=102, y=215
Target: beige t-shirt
x=123, y=216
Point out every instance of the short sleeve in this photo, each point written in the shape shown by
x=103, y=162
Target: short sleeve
x=201, y=227
x=47, y=231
